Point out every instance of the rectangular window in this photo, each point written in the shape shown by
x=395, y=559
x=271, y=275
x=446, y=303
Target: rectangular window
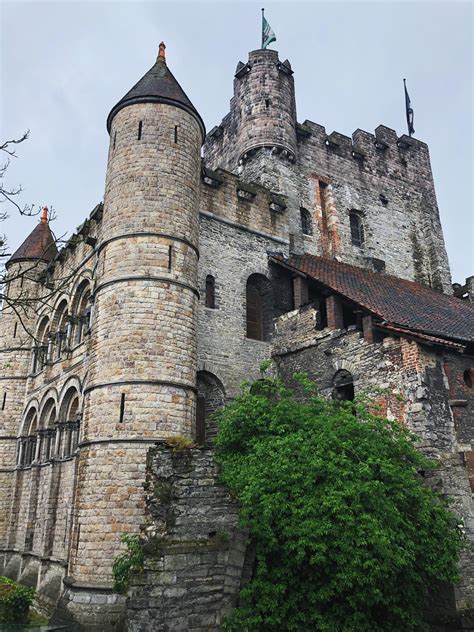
x=322, y=200
x=140, y=127
x=170, y=258
x=14, y=330
x=175, y=133
x=4, y=400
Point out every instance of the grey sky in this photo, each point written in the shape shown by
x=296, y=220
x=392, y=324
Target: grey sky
x=65, y=64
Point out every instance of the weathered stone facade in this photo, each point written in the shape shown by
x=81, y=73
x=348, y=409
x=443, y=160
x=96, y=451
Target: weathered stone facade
x=145, y=316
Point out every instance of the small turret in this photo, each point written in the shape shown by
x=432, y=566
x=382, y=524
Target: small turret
x=264, y=99
x=39, y=245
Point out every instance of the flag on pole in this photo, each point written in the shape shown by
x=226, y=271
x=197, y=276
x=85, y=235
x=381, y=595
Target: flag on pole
x=268, y=36
x=409, y=111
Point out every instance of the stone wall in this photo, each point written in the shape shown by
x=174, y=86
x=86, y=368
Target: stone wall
x=408, y=382
x=387, y=180
x=195, y=554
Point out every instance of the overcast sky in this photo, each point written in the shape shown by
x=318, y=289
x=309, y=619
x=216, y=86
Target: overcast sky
x=65, y=64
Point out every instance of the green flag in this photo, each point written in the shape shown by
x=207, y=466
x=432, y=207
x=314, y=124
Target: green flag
x=268, y=36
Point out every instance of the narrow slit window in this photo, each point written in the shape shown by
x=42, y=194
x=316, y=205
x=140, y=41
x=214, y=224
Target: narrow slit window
x=122, y=408
x=4, y=401
x=210, y=292
x=14, y=330
x=140, y=127
x=170, y=258
x=115, y=139
x=175, y=133
x=254, y=313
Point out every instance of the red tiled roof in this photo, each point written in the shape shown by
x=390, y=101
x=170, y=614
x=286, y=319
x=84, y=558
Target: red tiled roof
x=394, y=300
x=39, y=244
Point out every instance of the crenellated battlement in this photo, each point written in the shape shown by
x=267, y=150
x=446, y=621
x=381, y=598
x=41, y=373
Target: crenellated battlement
x=383, y=151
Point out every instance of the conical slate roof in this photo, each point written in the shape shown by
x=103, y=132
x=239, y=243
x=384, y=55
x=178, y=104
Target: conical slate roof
x=40, y=244
x=157, y=86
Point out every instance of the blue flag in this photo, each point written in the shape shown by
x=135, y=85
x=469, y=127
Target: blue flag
x=268, y=36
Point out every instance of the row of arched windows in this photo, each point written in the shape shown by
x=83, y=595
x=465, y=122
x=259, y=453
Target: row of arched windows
x=50, y=434
x=64, y=329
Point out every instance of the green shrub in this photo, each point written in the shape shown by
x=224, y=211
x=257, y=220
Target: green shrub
x=129, y=560
x=348, y=537
x=15, y=601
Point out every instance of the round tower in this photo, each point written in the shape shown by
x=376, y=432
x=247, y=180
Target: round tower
x=265, y=106
x=17, y=329
x=142, y=381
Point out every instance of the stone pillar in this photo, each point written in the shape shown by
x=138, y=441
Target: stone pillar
x=368, y=329
x=334, y=312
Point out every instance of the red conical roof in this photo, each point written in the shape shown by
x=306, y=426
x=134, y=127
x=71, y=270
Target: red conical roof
x=40, y=244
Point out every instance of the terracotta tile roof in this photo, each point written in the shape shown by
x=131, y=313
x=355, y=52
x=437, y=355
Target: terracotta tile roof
x=40, y=244
x=396, y=301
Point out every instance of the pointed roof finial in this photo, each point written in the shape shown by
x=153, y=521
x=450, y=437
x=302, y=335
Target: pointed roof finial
x=161, y=55
x=44, y=216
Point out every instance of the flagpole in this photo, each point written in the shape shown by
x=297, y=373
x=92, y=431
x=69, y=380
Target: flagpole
x=263, y=17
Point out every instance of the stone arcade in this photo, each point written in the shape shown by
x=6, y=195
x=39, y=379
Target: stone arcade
x=321, y=251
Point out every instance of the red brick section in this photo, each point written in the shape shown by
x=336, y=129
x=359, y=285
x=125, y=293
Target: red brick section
x=368, y=329
x=394, y=300
x=334, y=312
x=300, y=291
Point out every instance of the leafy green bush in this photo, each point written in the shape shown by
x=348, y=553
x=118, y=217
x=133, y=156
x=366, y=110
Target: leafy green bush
x=348, y=538
x=15, y=601
x=129, y=560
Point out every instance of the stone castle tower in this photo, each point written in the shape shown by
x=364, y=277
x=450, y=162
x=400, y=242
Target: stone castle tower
x=321, y=251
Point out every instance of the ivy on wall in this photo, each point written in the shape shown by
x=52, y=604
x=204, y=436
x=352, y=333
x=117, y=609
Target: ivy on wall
x=347, y=535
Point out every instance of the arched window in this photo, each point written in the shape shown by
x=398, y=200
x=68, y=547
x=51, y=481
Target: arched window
x=254, y=313
x=48, y=431
x=357, y=229
x=69, y=423
x=61, y=320
x=306, y=223
x=210, y=292
x=343, y=384
x=258, y=312
x=82, y=316
x=28, y=440
x=211, y=397
x=43, y=345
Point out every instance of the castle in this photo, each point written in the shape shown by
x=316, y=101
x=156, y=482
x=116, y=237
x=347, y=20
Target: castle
x=320, y=251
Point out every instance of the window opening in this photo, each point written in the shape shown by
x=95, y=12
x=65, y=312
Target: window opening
x=14, y=329
x=4, y=400
x=343, y=386
x=140, y=127
x=210, y=292
x=170, y=258
x=175, y=133
x=467, y=375
x=357, y=230
x=306, y=224
x=115, y=138
x=122, y=408
x=254, y=313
